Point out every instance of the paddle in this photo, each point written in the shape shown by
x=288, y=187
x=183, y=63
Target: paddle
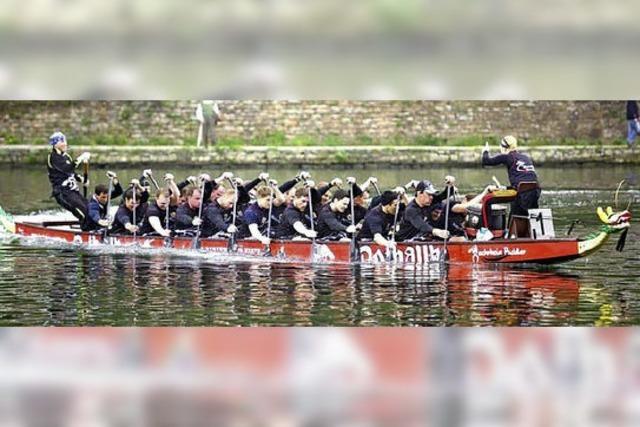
x=355, y=255
x=135, y=208
x=390, y=254
x=85, y=177
x=105, y=232
x=195, y=243
x=267, y=248
x=152, y=179
x=375, y=185
x=232, y=245
x=313, y=239
x=444, y=256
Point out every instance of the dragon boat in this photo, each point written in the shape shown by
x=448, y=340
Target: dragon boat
x=505, y=244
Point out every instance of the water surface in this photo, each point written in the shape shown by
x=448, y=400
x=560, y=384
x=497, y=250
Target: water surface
x=41, y=284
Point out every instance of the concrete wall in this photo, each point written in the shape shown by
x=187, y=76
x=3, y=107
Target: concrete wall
x=141, y=121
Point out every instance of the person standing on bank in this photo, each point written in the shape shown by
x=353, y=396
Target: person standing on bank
x=522, y=174
x=633, y=123
x=63, y=178
x=208, y=114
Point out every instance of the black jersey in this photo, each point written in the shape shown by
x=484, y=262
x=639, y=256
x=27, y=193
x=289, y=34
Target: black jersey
x=519, y=166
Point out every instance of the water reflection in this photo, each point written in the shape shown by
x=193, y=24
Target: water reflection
x=84, y=288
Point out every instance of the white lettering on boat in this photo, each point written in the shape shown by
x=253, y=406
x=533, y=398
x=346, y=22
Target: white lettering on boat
x=417, y=254
x=495, y=252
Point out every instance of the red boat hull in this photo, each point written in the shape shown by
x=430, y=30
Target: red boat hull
x=416, y=253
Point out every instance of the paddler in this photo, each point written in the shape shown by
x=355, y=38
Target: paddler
x=295, y=222
x=64, y=180
x=97, y=210
x=187, y=219
x=378, y=223
x=334, y=222
x=416, y=221
x=218, y=216
x=256, y=216
x=155, y=219
x=522, y=174
x=135, y=200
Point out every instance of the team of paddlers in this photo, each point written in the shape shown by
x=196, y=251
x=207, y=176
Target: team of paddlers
x=263, y=209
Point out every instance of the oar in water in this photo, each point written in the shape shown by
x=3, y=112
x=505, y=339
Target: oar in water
x=355, y=253
x=391, y=254
x=135, y=207
x=195, y=243
x=105, y=231
x=85, y=184
x=267, y=248
x=232, y=245
x=313, y=239
x=444, y=255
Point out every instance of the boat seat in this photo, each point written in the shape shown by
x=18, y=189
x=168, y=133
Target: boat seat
x=519, y=226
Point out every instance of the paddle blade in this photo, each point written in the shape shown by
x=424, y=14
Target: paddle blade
x=622, y=240
x=355, y=251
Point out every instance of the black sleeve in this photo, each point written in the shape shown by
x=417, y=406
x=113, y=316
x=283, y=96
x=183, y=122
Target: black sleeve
x=122, y=216
x=500, y=159
x=144, y=197
x=182, y=184
x=333, y=222
x=316, y=195
x=437, y=198
x=183, y=218
x=116, y=191
x=215, y=217
x=208, y=189
x=376, y=225
x=251, y=185
x=415, y=219
x=291, y=216
x=323, y=190
x=286, y=186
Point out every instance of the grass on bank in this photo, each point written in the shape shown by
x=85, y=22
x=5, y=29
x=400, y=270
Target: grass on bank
x=279, y=139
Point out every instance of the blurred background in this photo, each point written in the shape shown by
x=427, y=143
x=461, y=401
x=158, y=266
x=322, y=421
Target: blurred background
x=330, y=49
x=319, y=377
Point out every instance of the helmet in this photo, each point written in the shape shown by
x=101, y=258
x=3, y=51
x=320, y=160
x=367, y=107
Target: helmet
x=426, y=187
x=57, y=137
x=509, y=142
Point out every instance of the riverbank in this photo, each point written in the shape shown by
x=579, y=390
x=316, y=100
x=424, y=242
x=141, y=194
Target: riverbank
x=401, y=156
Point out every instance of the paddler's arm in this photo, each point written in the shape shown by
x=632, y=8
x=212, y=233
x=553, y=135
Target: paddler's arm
x=500, y=159
x=334, y=224
x=300, y=228
x=288, y=185
x=377, y=237
x=255, y=231
x=173, y=188
x=94, y=212
x=183, y=219
x=157, y=226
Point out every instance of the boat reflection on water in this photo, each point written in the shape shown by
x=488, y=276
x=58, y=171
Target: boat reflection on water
x=71, y=287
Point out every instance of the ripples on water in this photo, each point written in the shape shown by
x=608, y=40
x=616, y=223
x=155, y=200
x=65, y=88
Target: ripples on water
x=54, y=285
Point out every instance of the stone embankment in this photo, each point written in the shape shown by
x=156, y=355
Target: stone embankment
x=348, y=156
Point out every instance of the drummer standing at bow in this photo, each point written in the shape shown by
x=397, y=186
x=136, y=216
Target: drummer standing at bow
x=64, y=180
x=521, y=170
